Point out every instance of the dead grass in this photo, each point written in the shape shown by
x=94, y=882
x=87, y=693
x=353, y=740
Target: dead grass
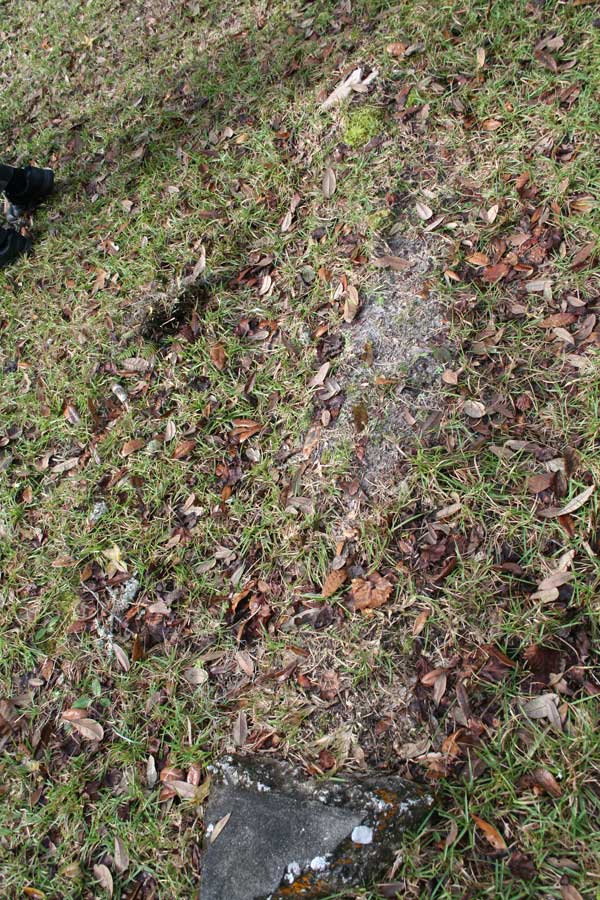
x=184, y=129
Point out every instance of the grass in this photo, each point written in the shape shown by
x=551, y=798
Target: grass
x=189, y=127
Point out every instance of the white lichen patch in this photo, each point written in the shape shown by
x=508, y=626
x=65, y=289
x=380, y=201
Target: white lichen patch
x=362, y=834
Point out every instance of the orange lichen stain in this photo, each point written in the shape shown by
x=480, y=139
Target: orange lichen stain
x=391, y=798
x=306, y=886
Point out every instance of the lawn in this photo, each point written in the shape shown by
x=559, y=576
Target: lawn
x=195, y=554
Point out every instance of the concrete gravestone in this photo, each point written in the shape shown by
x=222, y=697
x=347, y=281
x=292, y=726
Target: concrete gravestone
x=272, y=833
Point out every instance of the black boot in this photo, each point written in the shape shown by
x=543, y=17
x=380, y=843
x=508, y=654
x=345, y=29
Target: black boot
x=27, y=188
x=12, y=246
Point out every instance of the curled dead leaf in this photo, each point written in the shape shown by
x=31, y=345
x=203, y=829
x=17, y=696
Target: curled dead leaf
x=371, y=592
x=329, y=183
x=219, y=827
x=102, y=874
x=333, y=582
x=491, y=834
x=351, y=304
x=89, y=729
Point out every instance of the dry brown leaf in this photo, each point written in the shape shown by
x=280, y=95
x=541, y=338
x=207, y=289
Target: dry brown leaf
x=544, y=707
x=557, y=320
x=452, y=834
x=546, y=780
x=183, y=449
x=539, y=483
x=122, y=658
x=570, y=507
x=495, y=273
x=491, y=124
x=217, y=356
x=333, y=582
x=329, y=183
x=478, y=259
x=351, y=304
x=420, y=621
x=240, y=729
x=132, y=446
x=392, y=262
x=245, y=662
x=583, y=255
x=370, y=593
x=491, y=834
x=71, y=414
x=195, y=675
x=568, y=892
x=219, y=827
x=474, y=409
x=480, y=57
x=423, y=211
x=89, y=729
x=102, y=874
x=397, y=49
x=439, y=687
x=183, y=789
x=121, y=856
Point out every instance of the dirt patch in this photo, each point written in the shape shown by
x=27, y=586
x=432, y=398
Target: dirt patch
x=390, y=367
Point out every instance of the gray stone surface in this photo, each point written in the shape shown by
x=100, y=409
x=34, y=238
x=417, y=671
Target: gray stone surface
x=289, y=836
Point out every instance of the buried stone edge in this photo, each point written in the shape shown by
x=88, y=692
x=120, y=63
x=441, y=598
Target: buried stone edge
x=387, y=806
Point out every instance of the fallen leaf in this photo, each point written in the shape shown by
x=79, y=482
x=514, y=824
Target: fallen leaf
x=557, y=320
x=240, y=729
x=219, y=827
x=420, y=621
x=544, y=707
x=183, y=449
x=450, y=377
x=370, y=593
x=329, y=183
x=217, y=356
x=474, y=409
x=71, y=414
x=521, y=866
x=351, y=304
x=478, y=259
x=333, y=582
x=491, y=834
x=183, y=789
x=539, y=483
x=102, y=874
x=480, y=57
x=495, y=273
x=121, y=856
x=546, y=780
x=132, y=446
x=318, y=379
x=491, y=124
x=89, y=729
x=195, y=676
x=571, y=506
x=245, y=662
x=568, y=892
x=121, y=658
x=492, y=213
x=452, y=834
x=392, y=262
x=583, y=255
x=423, y=211
x=396, y=49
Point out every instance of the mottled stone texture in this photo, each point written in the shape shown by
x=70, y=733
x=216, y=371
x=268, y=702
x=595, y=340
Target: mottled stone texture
x=289, y=836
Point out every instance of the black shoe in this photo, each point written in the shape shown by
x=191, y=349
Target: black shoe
x=28, y=188
x=12, y=246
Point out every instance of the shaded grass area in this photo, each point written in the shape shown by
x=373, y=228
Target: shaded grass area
x=187, y=128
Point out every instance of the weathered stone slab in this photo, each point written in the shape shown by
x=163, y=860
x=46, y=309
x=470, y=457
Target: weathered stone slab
x=288, y=836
